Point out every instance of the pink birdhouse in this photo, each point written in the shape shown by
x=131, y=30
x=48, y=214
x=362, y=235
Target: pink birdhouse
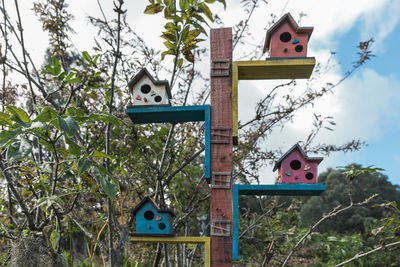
x=286, y=39
x=295, y=167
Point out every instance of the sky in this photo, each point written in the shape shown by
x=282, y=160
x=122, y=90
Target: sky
x=366, y=106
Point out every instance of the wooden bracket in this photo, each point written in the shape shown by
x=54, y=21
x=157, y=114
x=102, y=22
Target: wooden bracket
x=220, y=67
x=221, y=228
x=220, y=135
x=221, y=180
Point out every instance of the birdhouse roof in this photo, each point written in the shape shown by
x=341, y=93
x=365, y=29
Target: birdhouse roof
x=143, y=72
x=296, y=146
x=289, y=19
x=148, y=199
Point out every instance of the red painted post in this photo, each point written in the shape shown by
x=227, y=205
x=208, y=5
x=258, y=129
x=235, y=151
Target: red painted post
x=221, y=147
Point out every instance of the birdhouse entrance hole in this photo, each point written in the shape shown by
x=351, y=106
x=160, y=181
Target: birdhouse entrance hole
x=285, y=37
x=298, y=48
x=295, y=164
x=309, y=176
x=145, y=88
x=149, y=215
x=161, y=226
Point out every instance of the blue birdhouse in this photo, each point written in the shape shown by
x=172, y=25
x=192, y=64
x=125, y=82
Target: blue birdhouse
x=151, y=220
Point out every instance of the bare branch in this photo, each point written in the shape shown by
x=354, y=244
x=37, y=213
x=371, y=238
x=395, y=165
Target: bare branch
x=360, y=255
x=331, y=214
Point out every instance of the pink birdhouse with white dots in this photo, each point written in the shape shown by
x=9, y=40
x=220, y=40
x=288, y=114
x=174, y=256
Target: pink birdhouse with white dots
x=286, y=39
x=296, y=167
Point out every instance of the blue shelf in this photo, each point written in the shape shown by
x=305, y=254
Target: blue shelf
x=262, y=190
x=163, y=114
x=282, y=189
x=141, y=115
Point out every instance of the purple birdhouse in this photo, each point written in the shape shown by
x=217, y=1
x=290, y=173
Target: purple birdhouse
x=295, y=167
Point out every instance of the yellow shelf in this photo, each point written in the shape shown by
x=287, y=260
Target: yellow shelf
x=288, y=68
x=180, y=239
x=270, y=69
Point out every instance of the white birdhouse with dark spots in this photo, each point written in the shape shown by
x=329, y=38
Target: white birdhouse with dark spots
x=146, y=91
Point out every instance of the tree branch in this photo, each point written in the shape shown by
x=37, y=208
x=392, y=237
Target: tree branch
x=333, y=213
x=87, y=233
x=21, y=203
x=358, y=256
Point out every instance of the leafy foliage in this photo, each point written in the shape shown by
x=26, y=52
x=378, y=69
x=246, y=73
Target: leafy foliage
x=185, y=25
x=363, y=186
x=67, y=174
x=269, y=227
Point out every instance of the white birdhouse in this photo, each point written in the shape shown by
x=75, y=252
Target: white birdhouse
x=146, y=91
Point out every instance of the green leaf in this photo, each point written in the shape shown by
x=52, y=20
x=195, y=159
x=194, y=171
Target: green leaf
x=189, y=56
x=169, y=36
x=206, y=11
x=106, y=118
x=83, y=165
x=168, y=52
x=200, y=28
x=54, y=238
x=193, y=34
x=73, y=111
x=19, y=150
x=56, y=66
x=86, y=56
x=19, y=115
x=74, y=80
x=101, y=170
x=170, y=45
x=68, y=125
x=47, y=114
x=98, y=154
x=153, y=9
x=172, y=28
x=46, y=144
x=108, y=186
x=49, y=70
x=184, y=33
x=180, y=63
x=5, y=119
x=184, y=4
x=6, y=136
x=73, y=148
x=61, y=76
x=88, y=178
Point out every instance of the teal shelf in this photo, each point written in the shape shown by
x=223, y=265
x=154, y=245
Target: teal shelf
x=281, y=189
x=263, y=190
x=142, y=115
x=166, y=114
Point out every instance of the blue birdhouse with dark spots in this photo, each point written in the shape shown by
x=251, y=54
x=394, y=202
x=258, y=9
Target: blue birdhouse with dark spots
x=151, y=220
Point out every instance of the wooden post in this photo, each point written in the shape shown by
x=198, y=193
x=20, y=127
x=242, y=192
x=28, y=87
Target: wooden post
x=221, y=147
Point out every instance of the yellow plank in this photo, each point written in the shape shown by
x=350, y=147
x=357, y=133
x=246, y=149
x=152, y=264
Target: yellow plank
x=171, y=239
x=178, y=240
x=235, y=102
x=272, y=68
x=291, y=68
